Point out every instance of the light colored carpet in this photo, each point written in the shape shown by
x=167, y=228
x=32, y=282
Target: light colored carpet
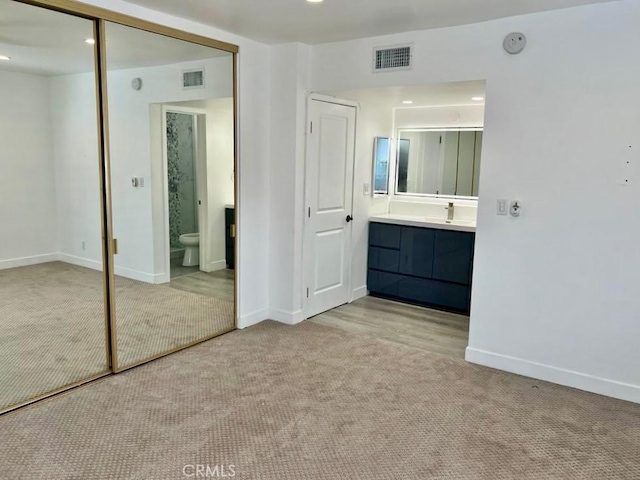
x=52, y=330
x=311, y=402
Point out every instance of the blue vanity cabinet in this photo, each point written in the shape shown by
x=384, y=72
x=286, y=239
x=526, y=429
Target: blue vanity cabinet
x=423, y=266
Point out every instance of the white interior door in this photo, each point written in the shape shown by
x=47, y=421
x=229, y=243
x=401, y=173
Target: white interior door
x=329, y=200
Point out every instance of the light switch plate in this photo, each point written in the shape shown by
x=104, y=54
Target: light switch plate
x=503, y=208
x=366, y=189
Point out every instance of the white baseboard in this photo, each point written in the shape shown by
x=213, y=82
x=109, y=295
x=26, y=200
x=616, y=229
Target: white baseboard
x=79, y=261
x=561, y=376
x=214, y=266
x=253, y=318
x=282, y=316
x=359, y=293
x=140, y=276
x=26, y=261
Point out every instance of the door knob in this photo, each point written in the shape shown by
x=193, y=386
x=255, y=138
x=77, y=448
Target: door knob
x=349, y=218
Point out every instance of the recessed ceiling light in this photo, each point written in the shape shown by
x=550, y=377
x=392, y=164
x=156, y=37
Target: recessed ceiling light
x=4, y=57
x=407, y=102
x=90, y=41
x=315, y=1
x=477, y=99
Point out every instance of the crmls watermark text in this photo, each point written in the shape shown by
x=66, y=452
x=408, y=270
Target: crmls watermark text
x=209, y=471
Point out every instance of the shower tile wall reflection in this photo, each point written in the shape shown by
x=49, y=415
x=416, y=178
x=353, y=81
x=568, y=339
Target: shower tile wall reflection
x=172, y=160
x=52, y=317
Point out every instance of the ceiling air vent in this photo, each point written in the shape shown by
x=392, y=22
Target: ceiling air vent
x=387, y=59
x=193, y=78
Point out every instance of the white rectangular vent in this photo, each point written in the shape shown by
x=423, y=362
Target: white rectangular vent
x=193, y=78
x=392, y=58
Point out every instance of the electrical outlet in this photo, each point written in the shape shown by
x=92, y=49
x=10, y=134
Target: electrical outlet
x=366, y=189
x=84, y=245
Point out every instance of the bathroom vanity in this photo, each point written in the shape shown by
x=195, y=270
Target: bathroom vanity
x=230, y=233
x=421, y=261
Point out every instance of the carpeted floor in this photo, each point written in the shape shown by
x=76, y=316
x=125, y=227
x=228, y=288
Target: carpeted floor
x=52, y=329
x=312, y=402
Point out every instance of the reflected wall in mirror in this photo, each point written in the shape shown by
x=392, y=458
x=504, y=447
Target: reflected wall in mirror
x=171, y=131
x=381, y=157
x=52, y=286
x=439, y=162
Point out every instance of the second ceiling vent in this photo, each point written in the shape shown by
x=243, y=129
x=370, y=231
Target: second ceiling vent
x=398, y=57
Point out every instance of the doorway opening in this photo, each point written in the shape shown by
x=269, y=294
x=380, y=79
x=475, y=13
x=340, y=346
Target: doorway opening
x=414, y=192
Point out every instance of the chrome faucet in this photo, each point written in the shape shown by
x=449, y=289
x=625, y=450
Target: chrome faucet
x=450, y=212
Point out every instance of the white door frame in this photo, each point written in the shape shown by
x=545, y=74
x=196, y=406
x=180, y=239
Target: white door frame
x=199, y=122
x=305, y=238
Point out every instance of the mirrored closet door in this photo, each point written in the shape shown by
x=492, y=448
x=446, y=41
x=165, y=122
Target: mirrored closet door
x=53, y=329
x=171, y=140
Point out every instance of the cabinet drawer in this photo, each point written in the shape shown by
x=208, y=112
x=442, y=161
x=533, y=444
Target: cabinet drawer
x=384, y=283
x=383, y=235
x=384, y=259
x=416, y=252
x=431, y=292
x=452, y=256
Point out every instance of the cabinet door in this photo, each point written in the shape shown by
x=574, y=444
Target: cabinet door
x=416, y=252
x=384, y=259
x=384, y=235
x=452, y=256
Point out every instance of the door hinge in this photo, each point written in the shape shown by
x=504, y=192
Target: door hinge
x=311, y=127
x=307, y=292
x=309, y=212
x=115, y=246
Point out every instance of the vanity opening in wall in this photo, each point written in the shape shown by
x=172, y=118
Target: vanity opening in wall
x=413, y=254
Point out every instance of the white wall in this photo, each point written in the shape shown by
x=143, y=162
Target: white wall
x=554, y=292
x=289, y=81
x=253, y=171
x=73, y=120
x=27, y=188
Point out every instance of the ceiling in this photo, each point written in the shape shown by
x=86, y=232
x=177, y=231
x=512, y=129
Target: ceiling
x=43, y=42
x=281, y=21
x=439, y=95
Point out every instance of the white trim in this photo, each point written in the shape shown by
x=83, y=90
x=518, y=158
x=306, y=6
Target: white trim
x=80, y=262
x=253, y=319
x=359, y=293
x=560, y=376
x=214, y=266
x=140, y=276
x=26, y=261
x=289, y=318
x=201, y=164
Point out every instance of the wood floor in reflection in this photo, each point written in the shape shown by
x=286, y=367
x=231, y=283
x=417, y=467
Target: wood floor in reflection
x=432, y=330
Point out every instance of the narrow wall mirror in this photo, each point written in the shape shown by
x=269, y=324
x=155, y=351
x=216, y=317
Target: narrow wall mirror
x=381, y=159
x=53, y=330
x=439, y=162
x=171, y=131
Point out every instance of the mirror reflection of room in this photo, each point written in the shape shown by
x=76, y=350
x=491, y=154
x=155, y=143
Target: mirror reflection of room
x=442, y=161
x=52, y=286
x=172, y=178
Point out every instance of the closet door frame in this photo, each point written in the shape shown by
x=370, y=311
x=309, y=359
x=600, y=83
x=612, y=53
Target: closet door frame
x=99, y=16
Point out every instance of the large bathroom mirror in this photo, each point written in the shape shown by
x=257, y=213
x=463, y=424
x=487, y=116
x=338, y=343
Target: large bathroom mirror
x=444, y=162
x=53, y=329
x=172, y=157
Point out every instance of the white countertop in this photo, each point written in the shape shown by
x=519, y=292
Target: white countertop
x=229, y=205
x=425, y=222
